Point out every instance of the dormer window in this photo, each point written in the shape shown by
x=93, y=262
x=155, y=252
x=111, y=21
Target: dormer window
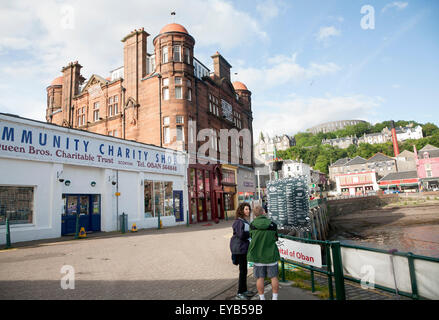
x=426, y=155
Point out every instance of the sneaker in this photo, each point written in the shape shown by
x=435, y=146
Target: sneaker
x=249, y=293
x=241, y=296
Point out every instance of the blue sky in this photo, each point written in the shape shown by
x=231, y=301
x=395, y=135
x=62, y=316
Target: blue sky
x=306, y=62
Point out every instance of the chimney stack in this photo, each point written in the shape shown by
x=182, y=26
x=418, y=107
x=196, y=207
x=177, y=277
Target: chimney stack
x=394, y=139
x=221, y=66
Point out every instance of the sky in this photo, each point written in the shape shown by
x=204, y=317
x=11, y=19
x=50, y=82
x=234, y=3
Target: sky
x=305, y=62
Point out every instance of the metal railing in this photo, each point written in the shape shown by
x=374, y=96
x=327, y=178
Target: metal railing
x=342, y=197
x=336, y=274
x=334, y=269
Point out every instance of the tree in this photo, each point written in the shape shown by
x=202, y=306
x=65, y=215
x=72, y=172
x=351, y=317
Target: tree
x=429, y=129
x=321, y=163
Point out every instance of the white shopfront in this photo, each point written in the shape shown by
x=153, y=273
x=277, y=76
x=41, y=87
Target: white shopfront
x=50, y=175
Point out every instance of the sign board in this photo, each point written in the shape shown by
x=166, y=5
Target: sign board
x=305, y=253
x=288, y=202
x=31, y=140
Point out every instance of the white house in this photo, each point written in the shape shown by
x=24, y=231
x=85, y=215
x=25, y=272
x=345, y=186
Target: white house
x=293, y=168
x=409, y=133
x=51, y=175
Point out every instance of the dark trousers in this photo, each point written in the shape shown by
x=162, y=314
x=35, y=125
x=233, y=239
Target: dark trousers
x=242, y=262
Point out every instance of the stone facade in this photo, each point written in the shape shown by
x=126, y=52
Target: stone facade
x=154, y=97
x=406, y=161
x=379, y=164
x=264, y=148
x=334, y=126
x=341, y=143
x=427, y=164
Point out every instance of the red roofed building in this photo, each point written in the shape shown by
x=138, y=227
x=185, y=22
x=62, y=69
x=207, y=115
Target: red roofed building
x=152, y=98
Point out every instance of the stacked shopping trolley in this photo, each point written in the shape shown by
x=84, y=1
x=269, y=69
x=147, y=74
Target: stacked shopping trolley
x=288, y=202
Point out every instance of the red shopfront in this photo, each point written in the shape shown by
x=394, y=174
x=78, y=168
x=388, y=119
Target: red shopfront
x=205, y=193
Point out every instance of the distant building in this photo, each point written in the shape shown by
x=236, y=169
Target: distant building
x=374, y=138
x=406, y=133
x=343, y=171
x=264, y=148
x=402, y=134
x=402, y=181
x=357, y=183
x=292, y=168
x=406, y=161
x=342, y=143
x=334, y=126
x=427, y=164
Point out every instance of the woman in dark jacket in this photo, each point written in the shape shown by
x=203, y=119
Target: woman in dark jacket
x=239, y=246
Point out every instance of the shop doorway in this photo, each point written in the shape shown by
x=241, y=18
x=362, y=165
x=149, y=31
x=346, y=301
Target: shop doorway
x=219, y=205
x=87, y=206
x=178, y=205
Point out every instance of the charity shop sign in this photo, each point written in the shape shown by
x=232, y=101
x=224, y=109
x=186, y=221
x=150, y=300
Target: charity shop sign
x=31, y=140
x=305, y=253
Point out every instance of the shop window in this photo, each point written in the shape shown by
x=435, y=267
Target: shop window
x=149, y=206
x=158, y=199
x=206, y=179
x=228, y=176
x=200, y=182
x=169, y=207
x=228, y=202
x=16, y=203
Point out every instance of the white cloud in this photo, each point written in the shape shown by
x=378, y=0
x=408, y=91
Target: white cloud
x=50, y=34
x=396, y=4
x=396, y=86
x=282, y=70
x=327, y=32
x=269, y=9
x=300, y=113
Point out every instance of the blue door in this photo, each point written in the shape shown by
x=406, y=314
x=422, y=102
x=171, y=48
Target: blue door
x=84, y=206
x=178, y=205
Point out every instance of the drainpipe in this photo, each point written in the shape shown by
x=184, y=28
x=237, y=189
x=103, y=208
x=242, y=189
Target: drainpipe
x=123, y=108
x=160, y=109
x=117, y=200
x=70, y=96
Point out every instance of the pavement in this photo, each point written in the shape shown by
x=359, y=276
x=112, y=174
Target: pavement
x=175, y=263
x=286, y=291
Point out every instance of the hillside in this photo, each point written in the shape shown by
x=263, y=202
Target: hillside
x=309, y=146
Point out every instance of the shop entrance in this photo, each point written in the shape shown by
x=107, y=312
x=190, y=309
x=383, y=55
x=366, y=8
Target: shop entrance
x=178, y=205
x=87, y=206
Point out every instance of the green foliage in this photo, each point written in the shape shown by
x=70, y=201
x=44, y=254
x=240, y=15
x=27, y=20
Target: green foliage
x=429, y=129
x=310, y=150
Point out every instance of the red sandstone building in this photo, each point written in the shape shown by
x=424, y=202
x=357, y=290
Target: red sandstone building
x=152, y=98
